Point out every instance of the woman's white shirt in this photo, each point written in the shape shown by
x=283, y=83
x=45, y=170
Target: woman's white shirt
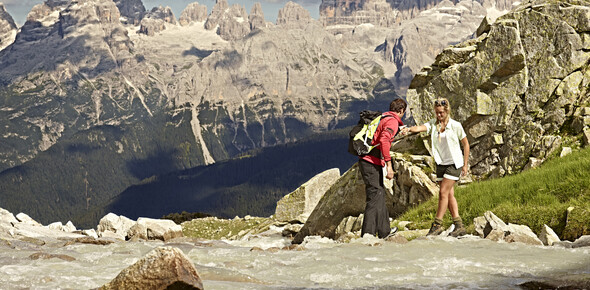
x=454, y=133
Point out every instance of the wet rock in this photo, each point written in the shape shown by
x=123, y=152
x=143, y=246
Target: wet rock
x=89, y=240
x=583, y=241
x=398, y=239
x=298, y=205
x=162, y=268
x=291, y=229
x=45, y=256
x=548, y=236
x=349, y=224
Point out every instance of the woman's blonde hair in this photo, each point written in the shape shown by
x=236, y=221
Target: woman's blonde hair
x=443, y=102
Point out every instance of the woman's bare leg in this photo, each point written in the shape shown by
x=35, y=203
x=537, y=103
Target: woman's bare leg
x=446, y=191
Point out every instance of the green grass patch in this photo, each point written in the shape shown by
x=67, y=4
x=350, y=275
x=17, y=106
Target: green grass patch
x=212, y=228
x=533, y=198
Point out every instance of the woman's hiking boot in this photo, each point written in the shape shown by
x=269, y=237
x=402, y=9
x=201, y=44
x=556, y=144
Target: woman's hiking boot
x=458, y=231
x=435, y=229
x=459, y=228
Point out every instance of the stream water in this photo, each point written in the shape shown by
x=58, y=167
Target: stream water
x=367, y=263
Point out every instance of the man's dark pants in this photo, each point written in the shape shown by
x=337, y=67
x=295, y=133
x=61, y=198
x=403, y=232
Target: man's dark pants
x=376, y=220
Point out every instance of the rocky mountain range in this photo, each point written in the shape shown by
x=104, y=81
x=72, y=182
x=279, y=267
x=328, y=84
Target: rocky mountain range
x=96, y=90
x=8, y=28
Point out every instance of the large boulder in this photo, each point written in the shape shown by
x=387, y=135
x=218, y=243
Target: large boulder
x=512, y=92
x=493, y=228
x=298, y=205
x=346, y=198
x=160, y=229
x=115, y=226
x=162, y=268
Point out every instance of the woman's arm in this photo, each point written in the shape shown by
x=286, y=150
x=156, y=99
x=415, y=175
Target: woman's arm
x=465, y=144
x=414, y=129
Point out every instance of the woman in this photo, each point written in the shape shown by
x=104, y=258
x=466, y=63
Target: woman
x=451, y=163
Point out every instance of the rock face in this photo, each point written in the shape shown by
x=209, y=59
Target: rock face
x=131, y=10
x=162, y=268
x=230, y=22
x=298, y=205
x=386, y=13
x=512, y=93
x=293, y=16
x=346, y=198
x=8, y=28
x=155, y=21
x=454, y=23
x=193, y=12
x=256, y=17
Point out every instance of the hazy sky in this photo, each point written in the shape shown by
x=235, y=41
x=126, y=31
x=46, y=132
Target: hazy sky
x=19, y=9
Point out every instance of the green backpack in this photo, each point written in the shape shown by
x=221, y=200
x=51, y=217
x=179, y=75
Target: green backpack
x=361, y=136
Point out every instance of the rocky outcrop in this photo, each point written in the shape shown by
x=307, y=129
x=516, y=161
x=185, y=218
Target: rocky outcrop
x=229, y=22
x=433, y=30
x=493, y=228
x=256, y=17
x=298, y=205
x=162, y=268
x=155, y=21
x=512, y=92
x=376, y=12
x=131, y=10
x=346, y=198
x=388, y=13
x=8, y=28
x=193, y=12
x=293, y=16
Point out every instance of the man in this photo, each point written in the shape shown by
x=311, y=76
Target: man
x=373, y=165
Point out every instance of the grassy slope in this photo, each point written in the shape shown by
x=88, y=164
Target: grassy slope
x=534, y=197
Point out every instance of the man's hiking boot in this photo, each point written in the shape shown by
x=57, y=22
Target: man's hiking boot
x=458, y=231
x=392, y=232
x=435, y=229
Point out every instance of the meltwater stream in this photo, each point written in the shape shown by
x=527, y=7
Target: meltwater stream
x=468, y=263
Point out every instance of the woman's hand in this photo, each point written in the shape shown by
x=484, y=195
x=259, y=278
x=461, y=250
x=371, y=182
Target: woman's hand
x=464, y=170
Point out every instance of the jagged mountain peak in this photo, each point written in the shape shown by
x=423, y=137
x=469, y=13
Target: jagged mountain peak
x=8, y=28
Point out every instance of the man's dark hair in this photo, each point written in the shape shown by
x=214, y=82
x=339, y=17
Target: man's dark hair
x=398, y=105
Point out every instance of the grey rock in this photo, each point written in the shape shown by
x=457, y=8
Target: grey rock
x=160, y=229
x=229, y=22
x=8, y=28
x=7, y=217
x=156, y=20
x=586, y=136
x=194, y=12
x=291, y=229
x=138, y=231
x=548, y=236
x=493, y=223
x=565, y=151
x=293, y=16
x=346, y=197
x=162, y=268
x=348, y=225
x=24, y=218
x=298, y=205
x=256, y=17
x=480, y=224
x=583, y=241
x=132, y=10
x=113, y=223
x=512, y=64
x=521, y=234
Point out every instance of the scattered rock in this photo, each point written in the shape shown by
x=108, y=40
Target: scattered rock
x=548, y=236
x=298, y=205
x=112, y=223
x=162, y=268
x=521, y=234
x=398, y=239
x=583, y=241
x=565, y=151
x=89, y=240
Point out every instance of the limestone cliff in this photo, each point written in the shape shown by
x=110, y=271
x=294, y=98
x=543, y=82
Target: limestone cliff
x=132, y=10
x=517, y=87
x=8, y=28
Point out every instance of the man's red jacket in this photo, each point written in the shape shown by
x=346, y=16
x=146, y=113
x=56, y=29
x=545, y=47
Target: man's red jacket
x=384, y=135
